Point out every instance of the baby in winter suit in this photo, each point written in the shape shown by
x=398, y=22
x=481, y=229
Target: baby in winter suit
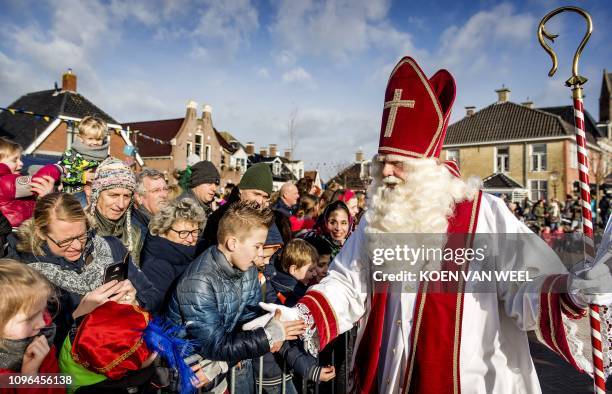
x=89, y=148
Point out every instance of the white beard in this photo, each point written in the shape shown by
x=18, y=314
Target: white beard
x=417, y=208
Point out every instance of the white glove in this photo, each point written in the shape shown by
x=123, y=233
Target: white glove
x=594, y=288
x=261, y=321
x=213, y=368
x=287, y=314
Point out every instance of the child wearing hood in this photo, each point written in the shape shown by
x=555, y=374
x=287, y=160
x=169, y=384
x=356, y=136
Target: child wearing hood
x=89, y=148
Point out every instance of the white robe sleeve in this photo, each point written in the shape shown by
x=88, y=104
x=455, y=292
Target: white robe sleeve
x=541, y=304
x=339, y=300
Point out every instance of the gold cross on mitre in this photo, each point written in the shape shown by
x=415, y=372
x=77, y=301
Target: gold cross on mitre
x=394, y=104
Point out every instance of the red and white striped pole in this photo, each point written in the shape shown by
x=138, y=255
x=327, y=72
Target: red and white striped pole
x=576, y=82
x=587, y=229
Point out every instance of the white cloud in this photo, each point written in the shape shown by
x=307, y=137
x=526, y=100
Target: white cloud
x=338, y=29
x=297, y=74
x=263, y=72
x=226, y=24
x=285, y=58
x=497, y=28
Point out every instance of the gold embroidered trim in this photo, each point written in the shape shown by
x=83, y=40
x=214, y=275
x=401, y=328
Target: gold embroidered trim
x=327, y=328
x=434, y=101
x=416, y=337
x=551, y=320
x=460, y=295
x=122, y=357
x=405, y=152
x=332, y=309
x=395, y=104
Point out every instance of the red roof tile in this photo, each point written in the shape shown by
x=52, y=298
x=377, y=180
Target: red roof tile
x=164, y=130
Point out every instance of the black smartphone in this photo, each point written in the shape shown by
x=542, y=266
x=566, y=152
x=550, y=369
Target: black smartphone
x=117, y=271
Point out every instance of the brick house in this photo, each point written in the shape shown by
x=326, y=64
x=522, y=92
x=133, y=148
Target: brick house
x=182, y=137
x=47, y=139
x=284, y=168
x=356, y=176
x=535, y=149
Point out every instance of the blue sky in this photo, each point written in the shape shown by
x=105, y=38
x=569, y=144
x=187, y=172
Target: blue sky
x=257, y=62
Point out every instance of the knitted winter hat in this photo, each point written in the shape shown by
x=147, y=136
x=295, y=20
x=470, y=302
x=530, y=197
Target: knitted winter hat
x=203, y=172
x=113, y=173
x=258, y=177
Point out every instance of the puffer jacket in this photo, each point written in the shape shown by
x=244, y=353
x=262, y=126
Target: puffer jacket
x=17, y=201
x=213, y=299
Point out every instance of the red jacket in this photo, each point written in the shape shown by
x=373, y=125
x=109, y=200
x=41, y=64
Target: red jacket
x=17, y=201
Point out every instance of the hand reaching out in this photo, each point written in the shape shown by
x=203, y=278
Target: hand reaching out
x=327, y=373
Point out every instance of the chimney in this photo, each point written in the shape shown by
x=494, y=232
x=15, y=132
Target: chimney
x=503, y=95
x=273, y=150
x=192, y=110
x=359, y=156
x=263, y=151
x=528, y=104
x=250, y=148
x=469, y=111
x=207, y=117
x=288, y=154
x=69, y=81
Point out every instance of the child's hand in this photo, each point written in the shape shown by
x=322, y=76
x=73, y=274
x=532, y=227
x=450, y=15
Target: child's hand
x=34, y=355
x=199, y=373
x=327, y=373
x=43, y=185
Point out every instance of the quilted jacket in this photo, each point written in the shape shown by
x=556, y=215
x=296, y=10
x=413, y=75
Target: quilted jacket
x=17, y=201
x=213, y=299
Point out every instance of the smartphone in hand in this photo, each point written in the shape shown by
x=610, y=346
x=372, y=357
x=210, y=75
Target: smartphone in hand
x=117, y=271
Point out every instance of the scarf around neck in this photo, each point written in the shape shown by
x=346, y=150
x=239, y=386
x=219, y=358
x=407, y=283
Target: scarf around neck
x=12, y=350
x=91, y=153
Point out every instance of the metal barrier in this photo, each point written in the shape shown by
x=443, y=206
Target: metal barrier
x=346, y=340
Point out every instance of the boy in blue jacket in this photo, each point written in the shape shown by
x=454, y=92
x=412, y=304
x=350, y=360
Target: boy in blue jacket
x=219, y=291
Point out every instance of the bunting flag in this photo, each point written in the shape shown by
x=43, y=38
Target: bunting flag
x=74, y=124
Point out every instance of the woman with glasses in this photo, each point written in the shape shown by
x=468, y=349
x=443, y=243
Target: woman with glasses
x=58, y=242
x=170, y=244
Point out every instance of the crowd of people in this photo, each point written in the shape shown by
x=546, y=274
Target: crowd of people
x=127, y=284
x=555, y=216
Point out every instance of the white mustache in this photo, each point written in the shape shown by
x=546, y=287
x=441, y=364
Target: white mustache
x=391, y=180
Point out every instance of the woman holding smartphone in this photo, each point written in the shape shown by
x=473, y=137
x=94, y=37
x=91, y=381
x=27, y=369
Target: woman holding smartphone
x=59, y=243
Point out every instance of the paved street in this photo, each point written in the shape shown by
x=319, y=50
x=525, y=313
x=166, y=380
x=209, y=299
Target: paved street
x=556, y=376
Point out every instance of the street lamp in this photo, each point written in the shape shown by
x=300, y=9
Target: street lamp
x=554, y=177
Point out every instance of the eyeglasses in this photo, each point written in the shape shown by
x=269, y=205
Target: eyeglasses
x=65, y=244
x=183, y=234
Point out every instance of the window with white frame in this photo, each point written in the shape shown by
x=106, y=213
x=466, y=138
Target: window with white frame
x=538, y=157
x=189, y=149
x=453, y=154
x=573, y=155
x=538, y=189
x=199, y=138
x=207, y=152
x=276, y=168
x=502, y=159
